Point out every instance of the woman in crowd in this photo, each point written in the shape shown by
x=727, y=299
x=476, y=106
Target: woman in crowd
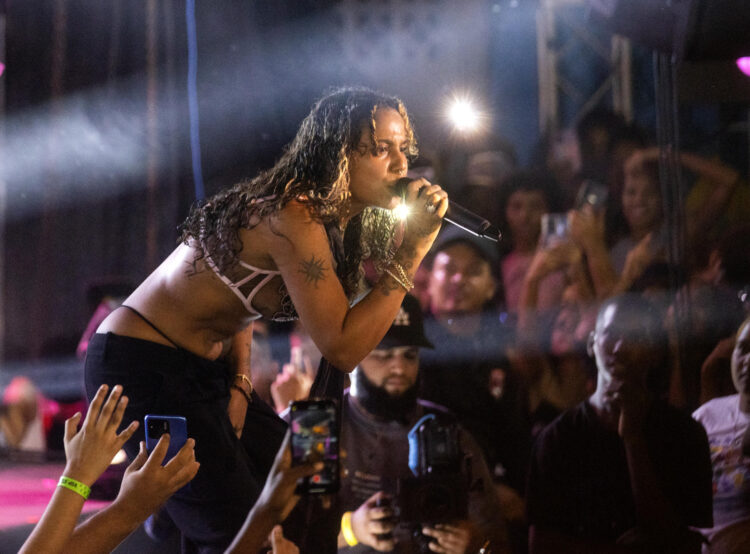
x=286, y=244
x=646, y=240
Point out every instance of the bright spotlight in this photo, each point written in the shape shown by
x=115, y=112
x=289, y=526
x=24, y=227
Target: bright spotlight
x=401, y=212
x=464, y=115
x=744, y=65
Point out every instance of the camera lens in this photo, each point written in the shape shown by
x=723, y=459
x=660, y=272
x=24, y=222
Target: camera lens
x=157, y=427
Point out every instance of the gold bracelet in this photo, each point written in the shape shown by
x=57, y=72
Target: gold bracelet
x=246, y=379
x=347, y=531
x=399, y=281
x=402, y=273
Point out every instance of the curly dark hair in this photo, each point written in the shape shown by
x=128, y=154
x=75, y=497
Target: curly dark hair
x=313, y=169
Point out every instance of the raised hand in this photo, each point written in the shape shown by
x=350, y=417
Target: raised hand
x=147, y=484
x=294, y=382
x=89, y=451
x=278, y=496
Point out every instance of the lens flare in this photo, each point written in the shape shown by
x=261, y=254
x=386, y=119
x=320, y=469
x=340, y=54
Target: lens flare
x=464, y=115
x=401, y=212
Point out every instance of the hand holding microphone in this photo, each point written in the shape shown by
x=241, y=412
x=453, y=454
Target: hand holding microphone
x=426, y=205
x=455, y=214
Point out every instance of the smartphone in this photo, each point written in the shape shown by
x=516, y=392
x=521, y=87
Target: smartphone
x=314, y=425
x=157, y=425
x=554, y=229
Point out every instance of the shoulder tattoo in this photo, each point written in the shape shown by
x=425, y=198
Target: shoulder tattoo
x=313, y=270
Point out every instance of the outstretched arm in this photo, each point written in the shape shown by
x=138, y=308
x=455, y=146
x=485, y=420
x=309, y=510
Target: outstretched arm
x=146, y=485
x=275, y=502
x=88, y=452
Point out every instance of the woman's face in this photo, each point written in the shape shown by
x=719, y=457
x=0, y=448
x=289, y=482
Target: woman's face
x=373, y=173
x=641, y=202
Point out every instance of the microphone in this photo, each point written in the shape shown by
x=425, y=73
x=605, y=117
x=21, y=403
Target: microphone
x=461, y=217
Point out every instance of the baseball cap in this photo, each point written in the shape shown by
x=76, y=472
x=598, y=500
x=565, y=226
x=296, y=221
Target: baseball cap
x=451, y=235
x=407, y=328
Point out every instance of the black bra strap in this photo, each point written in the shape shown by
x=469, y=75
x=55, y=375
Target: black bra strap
x=154, y=327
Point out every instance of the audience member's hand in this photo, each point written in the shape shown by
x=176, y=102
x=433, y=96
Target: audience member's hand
x=277, y=497
x=449, y=539
x=90, y=450
x=547, y=260
x=373, y=525
x=280, y=544
x=719, y=357
x=586, y=227
x=632, y=400
x=638, y=259
x=293, y=383
x=147, y=484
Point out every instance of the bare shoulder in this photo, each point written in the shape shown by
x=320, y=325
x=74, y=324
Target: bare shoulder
x=296, y=213
x=294, y=224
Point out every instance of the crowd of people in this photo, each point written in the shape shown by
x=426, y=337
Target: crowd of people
x=562, y=365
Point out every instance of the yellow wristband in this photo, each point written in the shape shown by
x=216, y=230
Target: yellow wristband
x=75, y=486
x=346, y=529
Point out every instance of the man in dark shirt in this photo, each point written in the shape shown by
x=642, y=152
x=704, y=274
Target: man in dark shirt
x=468, y=371
x=377, y=414
x=622, y=471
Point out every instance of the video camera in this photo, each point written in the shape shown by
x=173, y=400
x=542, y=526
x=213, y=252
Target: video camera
x=439, y=490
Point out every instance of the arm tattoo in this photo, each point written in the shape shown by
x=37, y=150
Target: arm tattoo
x=386, y=283
x=313, y=270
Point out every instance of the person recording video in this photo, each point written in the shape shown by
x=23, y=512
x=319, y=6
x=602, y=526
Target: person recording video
x=378, y=412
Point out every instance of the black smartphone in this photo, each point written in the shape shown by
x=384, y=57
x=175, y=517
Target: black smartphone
x=592, y=193
x=314, y=425
x=157, y=425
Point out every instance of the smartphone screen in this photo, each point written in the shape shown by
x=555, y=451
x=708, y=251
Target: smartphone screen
x=157, y=425
x=314, y=425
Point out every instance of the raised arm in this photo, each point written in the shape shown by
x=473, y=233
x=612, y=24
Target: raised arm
x=88, y=452
x=723, y=180
x=275, y=502
x=299, y=247
x=146, y=485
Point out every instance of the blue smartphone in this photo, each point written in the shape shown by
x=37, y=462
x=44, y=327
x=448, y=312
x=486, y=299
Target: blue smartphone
x=157, y=425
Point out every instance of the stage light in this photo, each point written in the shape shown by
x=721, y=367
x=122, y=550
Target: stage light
x=2, y=68
x=464, y=116
x=401, y=212
x=744, y=65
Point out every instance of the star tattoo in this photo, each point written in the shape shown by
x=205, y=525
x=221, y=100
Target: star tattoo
x=313, y=270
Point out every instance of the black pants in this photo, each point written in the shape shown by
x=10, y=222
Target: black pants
x=159, y=379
